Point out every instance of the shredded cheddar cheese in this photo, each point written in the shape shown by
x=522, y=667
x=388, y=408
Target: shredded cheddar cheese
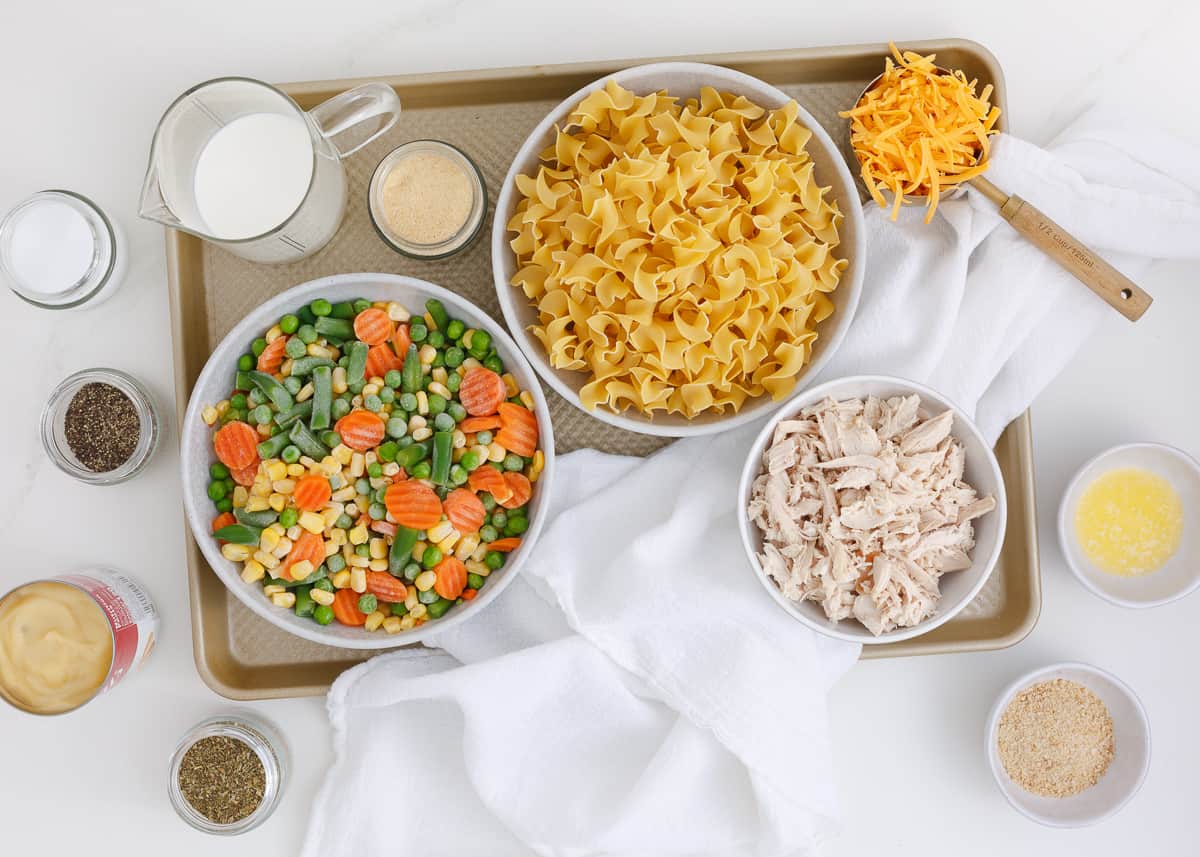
x=920, y=131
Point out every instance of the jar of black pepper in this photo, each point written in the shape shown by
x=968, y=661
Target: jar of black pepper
x=100, y=426
x=227, y=774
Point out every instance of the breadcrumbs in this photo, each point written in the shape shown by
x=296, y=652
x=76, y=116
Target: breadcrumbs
x=1055, y=738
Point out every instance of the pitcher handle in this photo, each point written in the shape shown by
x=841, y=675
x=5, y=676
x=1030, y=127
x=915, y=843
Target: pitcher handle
x=370, y=110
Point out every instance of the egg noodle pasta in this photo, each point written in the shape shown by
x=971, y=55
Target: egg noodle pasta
x=920, y=131
x=679, y=252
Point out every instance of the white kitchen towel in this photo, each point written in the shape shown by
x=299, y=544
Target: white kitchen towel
x=635, y=692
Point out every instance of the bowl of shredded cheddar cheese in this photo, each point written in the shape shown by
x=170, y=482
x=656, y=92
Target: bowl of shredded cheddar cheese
x=678, y=247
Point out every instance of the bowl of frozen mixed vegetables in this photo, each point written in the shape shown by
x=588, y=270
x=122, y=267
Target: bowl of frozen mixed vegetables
x=366, y=459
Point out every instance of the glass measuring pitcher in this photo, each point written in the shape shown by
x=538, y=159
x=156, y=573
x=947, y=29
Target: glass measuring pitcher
x=236, y=161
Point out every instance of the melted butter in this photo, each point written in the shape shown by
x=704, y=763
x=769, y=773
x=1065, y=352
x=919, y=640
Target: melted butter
x=1129, y=522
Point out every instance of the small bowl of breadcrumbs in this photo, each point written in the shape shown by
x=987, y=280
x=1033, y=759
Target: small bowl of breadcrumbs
x=1068, y=744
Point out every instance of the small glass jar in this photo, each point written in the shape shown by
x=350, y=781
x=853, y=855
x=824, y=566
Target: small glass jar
x=267, y=746
x=463, y=235
x=58, y=250
x=54, y=438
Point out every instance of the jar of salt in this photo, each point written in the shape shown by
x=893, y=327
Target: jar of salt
x=58, y=250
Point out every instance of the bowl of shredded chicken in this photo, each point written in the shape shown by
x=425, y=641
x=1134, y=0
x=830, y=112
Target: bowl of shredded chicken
x=875, y=511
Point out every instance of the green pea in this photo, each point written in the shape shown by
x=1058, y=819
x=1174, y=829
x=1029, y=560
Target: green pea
x=488, y=501
x=516, y=526
x=428, y=597
x=374, y=470
x=398, y=609
x=216, y=490
x=344, y=522
x=499, y=518
x=356, y=387
x=411, y=570
x=290, y=454
x=289, y=324
x=438, y=609
x=363, y=550
x=455, y=356
x=306, y=315
x=421, y=470
x=237, y=400
x=293, y=384
x=387, y=451
x=513, y=462
x=439, y=359
x=218, y=471
x=480, y=343
x=323, y=614
x=387, y=395
x=335, y=563
x=393, y=378
x=325, y=584
x=245, y=363
x=437, y=404
x=380, y=496
x=404, y=442
x=457, y=411
x=231, y=415
x=378, y=511
x=261, y=414
x=488, y=533
x=483, y=438
x=493, y=362
x=474, y=581
x=373, y=403
x=288, y=518
x=397, y=427
x=320, y=307
x=471, y=460
x=307, y=334
x=493, y=560
x=368, y=603
x=258, y=346
x=458, y=475
x=229, y=484
x=295, y=348
x=453, y=382
x=225, y=504
x=339, y=408
x=443, y=422
x=331, y=439
x=431, y=557
x=363, y=486
x=408, y=401
x=256, y=397
x=417, y=331
x=360, y=305
x=436, y=338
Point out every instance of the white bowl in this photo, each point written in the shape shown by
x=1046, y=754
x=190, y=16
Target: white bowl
x=685, y=80
x=981, y=470
x=214, y=384
x=1126, y=772
x=1181, y=573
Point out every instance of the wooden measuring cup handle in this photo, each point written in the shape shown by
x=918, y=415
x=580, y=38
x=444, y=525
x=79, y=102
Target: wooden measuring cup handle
x=1120, y=292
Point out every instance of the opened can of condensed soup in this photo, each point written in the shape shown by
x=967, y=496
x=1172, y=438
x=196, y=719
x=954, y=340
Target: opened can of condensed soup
x=67, y=639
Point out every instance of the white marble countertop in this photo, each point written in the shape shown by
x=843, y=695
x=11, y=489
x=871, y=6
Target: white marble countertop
x=84, y=84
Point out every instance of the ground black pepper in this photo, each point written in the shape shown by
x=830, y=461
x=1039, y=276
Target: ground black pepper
x=101, y=427
x=222, y=778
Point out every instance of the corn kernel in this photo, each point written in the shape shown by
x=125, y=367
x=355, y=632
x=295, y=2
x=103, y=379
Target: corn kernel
x=285, y=368
x=446, y=545
x=338, y=380
x=358, y=579
x=482, y=451
x=222, y=407
x=277, y=502
x=312, y=522
x=329, y=465
x=341, y=580
x=338, y=537
x=510, y=384
x=407, y=623
x=287, y=600
x=268, y=559
x=496, y=452
x=411, y=599
x=422, y=402
x=466, y=546
x=209, y=415
x=418, y=551
x=374, y=620
x=425, y=581
x=330, y=549
x=527, y=399
x=321, y=596
x=459, y=439
x=378, y=565
x=240, y=496
x=253, y=571
x=284, y=486
x=351, y=508
x=378, y=548
x=467, y=365
x=397, y=312
x=357, y=465
x=439, y=374
x=273, y=589
x=539, y=463
x=294, y=531
x=306, y=393
x=475, y=566
x=235, y=553
x=418, y=611
x=357, y=401
x=331, y=513
x=439, y=388
x=296, y=470
x=356, y=561
x=392, y=624
x=274, y=333
x=427, y=354
x=371, y=389
x=415, y=422
x=342, y=454
x=301, y=569
x=315, y=350
x=422, y=434
x=261, y=488
x=276, y=470
x=269, y=539
x=467, y=336
x=344, y=494
x=439, y=531
x=257, y=503
x=391, y=468
x=283, y=548
x=358, y=535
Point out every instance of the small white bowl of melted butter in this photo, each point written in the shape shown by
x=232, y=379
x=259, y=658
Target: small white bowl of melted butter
x=1129, y=524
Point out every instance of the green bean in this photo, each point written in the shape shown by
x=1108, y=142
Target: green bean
x=272, y=446
x=387, y=451
x=290, y=454
x=428, y=597
x=410, y=455
x=398, y=609
x=261, y=520
x=309, y=445
x=242, y=380
x=292, y=385
x=338, y=328
x=273, y=390
x=420, y=470
x=438, y=609
x=356, y=369
x=294, y=348
x=306, y=365
x=438, y=313
x=401, y=550
x=299, y=411
x=344, y=309
x=322, y=400
x=410, y=375
x=411, y=570
x=443, y=442
x=307, y=333
x=306, y=315
x=239, y=534
x=304, y=601
x=361, y=305
x=331, y=439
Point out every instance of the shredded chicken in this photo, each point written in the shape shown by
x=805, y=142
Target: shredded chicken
x=863, y=507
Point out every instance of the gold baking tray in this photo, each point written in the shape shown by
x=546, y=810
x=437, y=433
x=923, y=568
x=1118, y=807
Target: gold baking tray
x=488, y=114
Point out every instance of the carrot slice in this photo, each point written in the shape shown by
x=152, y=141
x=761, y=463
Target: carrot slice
x=245, y=475
x=361, y=430
x=311, y=493
x=504, y=545
x=373, y=326
x=464, y=510
x=236, y=444
x=401, y=340
x=413, y=504
x=385, y=587
x=381, y=358
x=272, y=357
x=518, y=429
x=474, y=424
x=521, y=490
x=481, y=392
x=489, y=479
x=383, y=528
x=451, y=578
x=345, y=608
x=469, y=594
x=223, y=520
x=309, y=546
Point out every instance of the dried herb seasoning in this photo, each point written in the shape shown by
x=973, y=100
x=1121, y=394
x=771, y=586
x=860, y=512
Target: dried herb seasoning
x=222, y=778
x=101, y=426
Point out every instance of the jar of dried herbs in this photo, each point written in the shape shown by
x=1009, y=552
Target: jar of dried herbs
x=227, y=774
x=100, y=426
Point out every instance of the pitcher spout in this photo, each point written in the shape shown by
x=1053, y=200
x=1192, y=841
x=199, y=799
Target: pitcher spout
x=153, y=205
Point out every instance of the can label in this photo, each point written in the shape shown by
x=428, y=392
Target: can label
x=130, y=613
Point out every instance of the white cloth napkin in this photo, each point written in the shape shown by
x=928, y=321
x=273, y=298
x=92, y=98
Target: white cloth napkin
x=635, y=692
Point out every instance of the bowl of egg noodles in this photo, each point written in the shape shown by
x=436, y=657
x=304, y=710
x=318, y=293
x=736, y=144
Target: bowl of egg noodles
x=677, y=247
